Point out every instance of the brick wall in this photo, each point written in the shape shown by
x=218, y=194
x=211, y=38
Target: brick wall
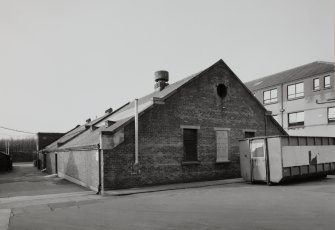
x=161, y=138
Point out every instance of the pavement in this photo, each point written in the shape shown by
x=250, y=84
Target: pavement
x=26, y=180
x=224, y=204
x=4, y=218
x=157, y=188
x=25, y=186
x=298, y=206
x=26, y=189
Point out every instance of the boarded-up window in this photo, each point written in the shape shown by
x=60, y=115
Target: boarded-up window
x=190, y=145
x=221, y=146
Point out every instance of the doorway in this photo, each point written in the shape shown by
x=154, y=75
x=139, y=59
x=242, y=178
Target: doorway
x=258, y=163
x=56, y=163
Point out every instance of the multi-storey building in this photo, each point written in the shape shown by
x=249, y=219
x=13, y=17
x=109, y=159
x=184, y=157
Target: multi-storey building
x=302, y=99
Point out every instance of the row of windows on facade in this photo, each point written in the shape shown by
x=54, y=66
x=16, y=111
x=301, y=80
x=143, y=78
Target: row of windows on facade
x=191, y=144
x=298, y=118
x=294, y=90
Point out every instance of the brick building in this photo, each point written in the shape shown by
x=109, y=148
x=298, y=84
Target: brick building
x=185, y=131
x=43, y=140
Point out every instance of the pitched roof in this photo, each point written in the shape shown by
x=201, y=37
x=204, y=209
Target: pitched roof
x=67, y=137
x=298, y=73
x=83, y=136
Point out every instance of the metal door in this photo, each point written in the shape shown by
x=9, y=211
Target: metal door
x=245, y=160
x=56, y=164
x=44, y=161
x=258, y=160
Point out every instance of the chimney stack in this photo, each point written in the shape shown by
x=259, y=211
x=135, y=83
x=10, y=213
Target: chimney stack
x=109, y=110
x=161, y=79
x=87, y=123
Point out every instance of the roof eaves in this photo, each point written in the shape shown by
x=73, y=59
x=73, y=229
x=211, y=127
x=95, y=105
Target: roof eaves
x=80, y=148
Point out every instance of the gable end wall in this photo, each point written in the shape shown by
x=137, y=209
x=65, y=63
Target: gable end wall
x=161, y=136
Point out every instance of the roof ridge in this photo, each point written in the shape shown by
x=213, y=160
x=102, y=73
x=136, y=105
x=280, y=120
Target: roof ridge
x=168, y=91
x=326, y=62
x=288, y=70
x=283, y=71
x=305, y=71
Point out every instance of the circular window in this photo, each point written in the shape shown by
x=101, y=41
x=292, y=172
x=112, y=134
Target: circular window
x=221, y=90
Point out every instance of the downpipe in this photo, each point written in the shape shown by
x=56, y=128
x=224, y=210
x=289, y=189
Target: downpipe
x=99, y=157
x=136, y=131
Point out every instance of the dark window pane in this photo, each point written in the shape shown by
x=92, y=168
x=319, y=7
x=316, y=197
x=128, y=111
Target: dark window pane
x=190, y=144
x=249, y=134
x=190, y=134
x=221, y=90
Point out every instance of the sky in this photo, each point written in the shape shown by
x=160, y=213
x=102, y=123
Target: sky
x=63, y=61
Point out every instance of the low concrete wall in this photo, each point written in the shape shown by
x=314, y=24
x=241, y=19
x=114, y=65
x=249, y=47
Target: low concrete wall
x=80, y=167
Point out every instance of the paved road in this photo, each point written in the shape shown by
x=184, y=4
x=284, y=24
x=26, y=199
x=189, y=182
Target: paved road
x=308, y=205
x=25, y=188
x=26, y=180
